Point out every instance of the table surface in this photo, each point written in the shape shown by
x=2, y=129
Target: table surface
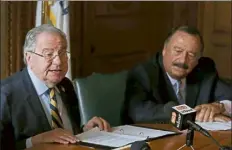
x=167, y=143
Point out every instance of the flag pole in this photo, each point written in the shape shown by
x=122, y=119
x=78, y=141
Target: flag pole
x=45, y=12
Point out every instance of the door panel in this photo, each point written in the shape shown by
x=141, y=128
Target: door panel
x=215, y=24
x=118, y=35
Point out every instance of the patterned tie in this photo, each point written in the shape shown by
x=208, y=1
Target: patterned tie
x=56, y=119
x=179, y=94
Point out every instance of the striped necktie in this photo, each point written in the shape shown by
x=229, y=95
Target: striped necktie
x=179, y=94
x=56, y=119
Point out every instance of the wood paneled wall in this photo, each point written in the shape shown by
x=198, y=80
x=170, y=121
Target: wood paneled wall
x=215, y=21
x=17, y=18
x=76, y=38
x=118, y=35
x=112, y=36
x=185, y=13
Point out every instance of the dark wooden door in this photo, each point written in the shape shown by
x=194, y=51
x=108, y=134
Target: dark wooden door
x=118, y=35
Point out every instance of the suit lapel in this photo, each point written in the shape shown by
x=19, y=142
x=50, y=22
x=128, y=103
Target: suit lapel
x=69, y=108
x=165, y=84
x=34, y=101
x=161, y=87
x=64, y=98
x=192, y=91
x=171, y=92
x=154, y=78
x=63, y=94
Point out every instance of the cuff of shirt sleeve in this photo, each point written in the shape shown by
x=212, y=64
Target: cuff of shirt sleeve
x=227, y=105
x=82, y=128
x=28, y=143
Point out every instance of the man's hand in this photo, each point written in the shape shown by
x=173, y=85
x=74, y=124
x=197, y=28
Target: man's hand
x=206, y=112
x=57, y=135
x=97, y=121
x=221, y=118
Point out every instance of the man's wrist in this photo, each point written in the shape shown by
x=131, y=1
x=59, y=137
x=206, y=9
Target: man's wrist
x=221, y=106
x=82, y=128
x=228, y=107
x=85, y=128
x=35, y=139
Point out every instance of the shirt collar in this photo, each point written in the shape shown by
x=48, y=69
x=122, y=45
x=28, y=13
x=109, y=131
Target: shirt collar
x=39, y=85
x=174, y=81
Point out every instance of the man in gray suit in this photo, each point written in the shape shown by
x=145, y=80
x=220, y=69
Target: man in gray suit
x=178, y=75
x=39, y=104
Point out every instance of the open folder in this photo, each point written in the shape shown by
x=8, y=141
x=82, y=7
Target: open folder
x=120, y=136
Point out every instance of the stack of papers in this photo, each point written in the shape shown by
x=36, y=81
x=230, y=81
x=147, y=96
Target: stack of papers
x=214, y=126
x=121, y=136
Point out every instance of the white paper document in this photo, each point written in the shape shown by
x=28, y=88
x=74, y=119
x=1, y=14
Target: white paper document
x=140, y=131
x=120, y=136
x=214, y=126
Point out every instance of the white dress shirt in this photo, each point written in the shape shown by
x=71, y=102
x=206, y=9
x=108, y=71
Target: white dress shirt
x=176, y=86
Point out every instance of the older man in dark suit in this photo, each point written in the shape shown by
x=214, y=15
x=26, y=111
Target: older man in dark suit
x=38, y=104
x=180, y=75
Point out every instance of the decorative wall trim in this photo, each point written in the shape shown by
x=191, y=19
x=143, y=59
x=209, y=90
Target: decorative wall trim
x=16, y=19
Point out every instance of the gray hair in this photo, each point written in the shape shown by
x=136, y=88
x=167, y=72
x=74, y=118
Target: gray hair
x=187, y=29
x=30, y=40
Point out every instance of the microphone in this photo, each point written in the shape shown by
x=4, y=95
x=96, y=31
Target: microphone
x=181, y=114
x=183, y=117
x=140, y=145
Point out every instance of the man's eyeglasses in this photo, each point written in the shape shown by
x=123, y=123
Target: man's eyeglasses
x=50, y=56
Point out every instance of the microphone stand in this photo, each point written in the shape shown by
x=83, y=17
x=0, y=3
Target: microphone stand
x=190, y=136
x=189, y=139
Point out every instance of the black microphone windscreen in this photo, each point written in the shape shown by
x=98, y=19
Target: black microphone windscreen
x=140, y=145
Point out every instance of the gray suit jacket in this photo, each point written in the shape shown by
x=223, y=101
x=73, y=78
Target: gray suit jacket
x=21, y=112
x=149, y=92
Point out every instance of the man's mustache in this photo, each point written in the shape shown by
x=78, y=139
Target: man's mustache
x=180, y=65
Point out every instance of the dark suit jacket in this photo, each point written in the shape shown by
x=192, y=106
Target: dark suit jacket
x=21, y=112
x=149, y=92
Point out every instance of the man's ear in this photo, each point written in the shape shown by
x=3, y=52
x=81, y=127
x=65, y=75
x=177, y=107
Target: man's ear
x=27, y=57
x=164, y=50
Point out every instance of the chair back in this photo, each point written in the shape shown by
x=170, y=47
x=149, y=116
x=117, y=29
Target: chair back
x=101, y=95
